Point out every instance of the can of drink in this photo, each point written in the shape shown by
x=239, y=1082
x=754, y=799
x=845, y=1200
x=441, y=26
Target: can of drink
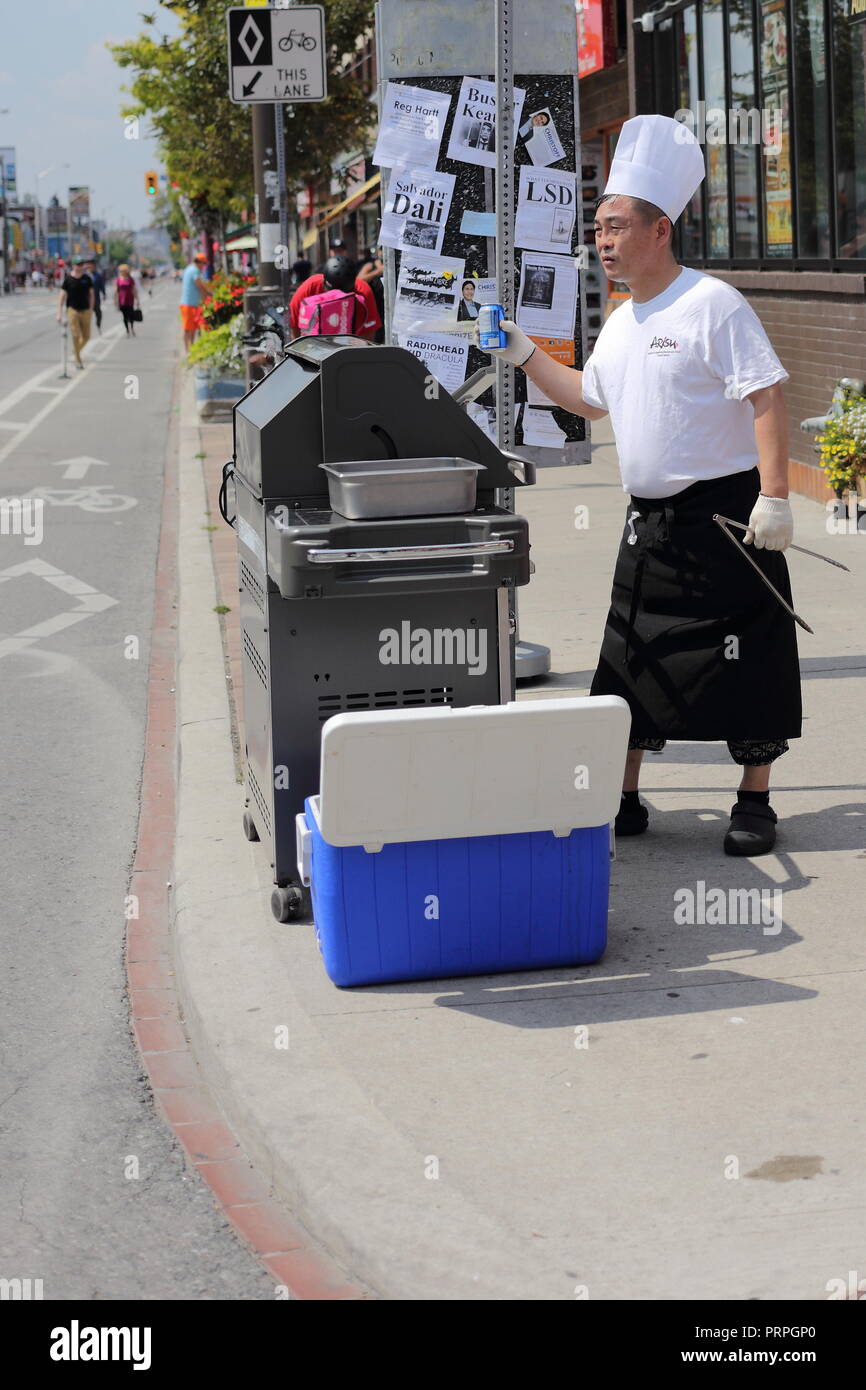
x=490, y=335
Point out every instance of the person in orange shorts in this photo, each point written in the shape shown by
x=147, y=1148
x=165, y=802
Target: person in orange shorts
x=193, y=288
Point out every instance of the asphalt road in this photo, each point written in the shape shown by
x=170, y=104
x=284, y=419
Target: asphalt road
x=73, y=1106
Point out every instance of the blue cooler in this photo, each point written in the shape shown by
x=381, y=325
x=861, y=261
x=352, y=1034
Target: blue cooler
x=448, y=842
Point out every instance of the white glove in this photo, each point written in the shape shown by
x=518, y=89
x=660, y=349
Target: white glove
x=771, y=525
x=518, y=348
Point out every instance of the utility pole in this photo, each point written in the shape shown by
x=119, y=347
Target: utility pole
x=266, y=185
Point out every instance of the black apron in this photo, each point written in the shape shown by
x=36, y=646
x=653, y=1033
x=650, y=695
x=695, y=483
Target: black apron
x=694, y=642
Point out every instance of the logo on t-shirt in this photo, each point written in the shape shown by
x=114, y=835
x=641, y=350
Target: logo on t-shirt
x=662, y=347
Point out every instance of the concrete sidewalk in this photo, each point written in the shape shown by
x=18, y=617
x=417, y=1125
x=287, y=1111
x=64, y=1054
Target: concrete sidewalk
x=457, y=1140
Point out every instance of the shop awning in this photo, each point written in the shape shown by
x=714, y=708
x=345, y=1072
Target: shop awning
x=242, y=243
x=354, y=200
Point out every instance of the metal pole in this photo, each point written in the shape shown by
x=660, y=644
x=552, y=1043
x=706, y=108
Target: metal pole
x=504, y=80
x=389, y=279
x=64, y=343
x=263, y=149
x=280, y=142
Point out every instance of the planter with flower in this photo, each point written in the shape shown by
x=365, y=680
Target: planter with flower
x=218, y=361
x=842, y=450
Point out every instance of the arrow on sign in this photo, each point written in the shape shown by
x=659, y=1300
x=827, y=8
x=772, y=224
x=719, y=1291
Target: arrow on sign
x=252, y=82
x=77, y=468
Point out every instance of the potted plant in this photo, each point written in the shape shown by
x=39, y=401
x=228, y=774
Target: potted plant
x=217, y=357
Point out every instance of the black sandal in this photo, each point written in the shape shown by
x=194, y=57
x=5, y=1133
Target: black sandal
x=752, y=830
x=631, y=820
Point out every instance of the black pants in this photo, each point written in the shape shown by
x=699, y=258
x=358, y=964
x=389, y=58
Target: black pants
x=128, y=320
x=746, y=752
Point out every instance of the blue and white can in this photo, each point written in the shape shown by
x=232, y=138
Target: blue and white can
x=490, y=335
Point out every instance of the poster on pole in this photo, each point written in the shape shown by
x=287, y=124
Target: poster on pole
x=541, y=141
x=547, y=146
x=428, y=291
x=546, y=210
x=411, y=128
x=416, y=209
x=473, y=134
x=444, y=354
x=547, y=299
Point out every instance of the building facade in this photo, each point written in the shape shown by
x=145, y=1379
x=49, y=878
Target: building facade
x=776, y=92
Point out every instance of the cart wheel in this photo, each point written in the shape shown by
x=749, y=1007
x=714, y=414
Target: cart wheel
x=250, y=827
x=287, y=903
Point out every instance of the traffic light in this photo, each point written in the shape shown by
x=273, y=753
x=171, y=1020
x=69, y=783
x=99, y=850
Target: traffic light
x=151, y=182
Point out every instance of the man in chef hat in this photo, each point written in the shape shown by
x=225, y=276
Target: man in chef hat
x=694, y=641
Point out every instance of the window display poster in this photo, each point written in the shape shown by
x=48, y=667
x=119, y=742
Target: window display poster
x=547, y=300
x=427, y=294
x=542, y=143
x=473, y=134
x=546, y=209
x=445, y=355
x=416, y=209
x=774, y=95
x=412, y=127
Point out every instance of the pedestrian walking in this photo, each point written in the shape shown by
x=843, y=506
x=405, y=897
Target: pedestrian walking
x=193, y=289
x=92, y=269
x=76, y=295
x=694, y=641
x=126, y=298
x=334, y=302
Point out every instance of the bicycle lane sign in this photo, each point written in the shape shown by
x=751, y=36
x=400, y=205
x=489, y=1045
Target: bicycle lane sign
x=277, y=55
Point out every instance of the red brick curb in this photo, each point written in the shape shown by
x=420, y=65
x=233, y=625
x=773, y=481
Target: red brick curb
x=178, y=1086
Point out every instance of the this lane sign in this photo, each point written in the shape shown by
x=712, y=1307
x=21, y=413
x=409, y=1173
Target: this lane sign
x=277, y=55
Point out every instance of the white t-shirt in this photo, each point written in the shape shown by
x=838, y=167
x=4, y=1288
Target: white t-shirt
x=673, y=374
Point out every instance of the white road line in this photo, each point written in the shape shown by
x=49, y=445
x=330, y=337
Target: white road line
x=63, y=392
x=90, y=601
x=12, y=424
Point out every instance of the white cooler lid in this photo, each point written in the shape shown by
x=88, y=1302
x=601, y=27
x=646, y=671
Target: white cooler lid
x=390, y=776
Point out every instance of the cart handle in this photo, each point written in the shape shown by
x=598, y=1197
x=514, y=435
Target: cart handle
x=408, y=552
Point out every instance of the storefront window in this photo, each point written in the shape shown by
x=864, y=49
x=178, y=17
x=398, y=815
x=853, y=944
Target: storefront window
x=716, y=149
x=813, y=144
x=849, y=56
x=688, y=94
x=746, y=148
x=778, y=222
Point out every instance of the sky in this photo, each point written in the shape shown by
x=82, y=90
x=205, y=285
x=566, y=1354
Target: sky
x=63, y=92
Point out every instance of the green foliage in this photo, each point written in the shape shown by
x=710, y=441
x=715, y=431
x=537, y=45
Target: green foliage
x=842, y=446
x=181, y=84
x=220, y=351
x=120, y=248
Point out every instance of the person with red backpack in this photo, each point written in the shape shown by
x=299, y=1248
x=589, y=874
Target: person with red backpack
x=334, y=303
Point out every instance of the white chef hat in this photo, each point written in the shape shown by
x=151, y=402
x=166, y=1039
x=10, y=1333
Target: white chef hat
x=657, y=159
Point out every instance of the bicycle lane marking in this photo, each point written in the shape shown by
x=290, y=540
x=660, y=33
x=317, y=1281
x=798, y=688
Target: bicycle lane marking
x=90, y=601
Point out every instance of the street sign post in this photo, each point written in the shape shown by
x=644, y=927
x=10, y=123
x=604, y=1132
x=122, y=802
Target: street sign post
x=277, y=55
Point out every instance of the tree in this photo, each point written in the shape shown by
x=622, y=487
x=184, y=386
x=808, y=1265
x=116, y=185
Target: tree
x=182, y=85
x=119, y=247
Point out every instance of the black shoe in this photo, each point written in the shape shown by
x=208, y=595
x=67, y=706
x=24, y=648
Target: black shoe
x=631, y=819
x=752, y=830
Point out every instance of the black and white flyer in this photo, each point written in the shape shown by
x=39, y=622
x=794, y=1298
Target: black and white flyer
x=542, y=143
x=445, y=354
x=546, y=210
x=427, y=295
x=417, y=209
x=473, y=134
x=547, y=299
x=412, y=127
